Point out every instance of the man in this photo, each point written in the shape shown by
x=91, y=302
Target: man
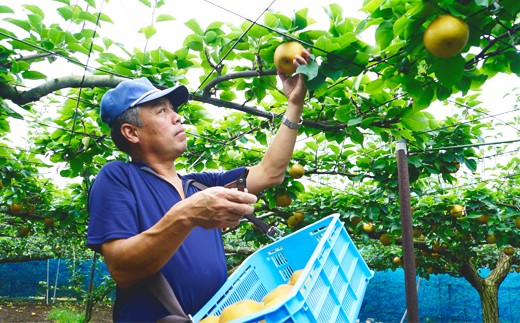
x=144, y=218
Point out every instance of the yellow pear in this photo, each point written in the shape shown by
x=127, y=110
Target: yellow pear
x=368, y=227
x=277, y=295
x=385, y=239
x=446, y=36
x=509, y=251
x=210, y=319
x=292, y=221
x=283, y=200
x=299, y=215
x=457, y=210
x=484, y=218
x=296, y=171
x=240, y=309
x=294, y=277
x=284, y=56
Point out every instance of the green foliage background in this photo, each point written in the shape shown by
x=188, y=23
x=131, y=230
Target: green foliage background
x=364, y=97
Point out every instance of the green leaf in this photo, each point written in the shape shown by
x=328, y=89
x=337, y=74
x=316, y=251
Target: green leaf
x=414, y=88
x=312, y=145
x=78, y=48
x=76, y=165
x=334, y=11
x=415, y=121
x=330, y=71
x=384, y=35
x=33, y=75
x=211, y=164
x=88, y=17
x=148, y=31
x=103, y=17
x=66, y=13
x=375, y=86
x=20, y=23
x=354, y=121
x=10, y=112
x=35, y=9
x=471, y=164
x=257, y=31
x=193, y=42
x=300, y=19
x=146, y=3
x=326, y=44
x=5, y=9
x=425, y=99
x=297, y=186
x=228, y=95
x=511, y=6
x=316, y=83
x=164, y=17
x=194, y=25
x=310, y=69
x=443, y=93
x=372, y=5
x=343, y=114
x=210, y=36
x=357, y=137
x=514, y=62
x=483, y=3
x=449, y=71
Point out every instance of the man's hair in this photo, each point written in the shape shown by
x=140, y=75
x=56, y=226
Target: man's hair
x=131, y=116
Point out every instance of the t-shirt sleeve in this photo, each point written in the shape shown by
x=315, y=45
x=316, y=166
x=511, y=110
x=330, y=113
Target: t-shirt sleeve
x=218, y=179
x=112, y=207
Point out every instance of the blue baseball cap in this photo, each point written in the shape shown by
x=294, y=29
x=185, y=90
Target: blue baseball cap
x=131, y=93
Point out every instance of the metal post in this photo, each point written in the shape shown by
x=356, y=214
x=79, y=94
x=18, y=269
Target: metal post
x=90, y=300
x=407, y=236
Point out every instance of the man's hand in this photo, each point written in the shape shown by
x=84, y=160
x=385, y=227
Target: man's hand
x=219, y=207
x=294, y=87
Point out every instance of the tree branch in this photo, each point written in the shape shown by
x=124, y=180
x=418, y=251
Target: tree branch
x=492, y=42
x=11, y=93
x=261, y=113
x=206, y=91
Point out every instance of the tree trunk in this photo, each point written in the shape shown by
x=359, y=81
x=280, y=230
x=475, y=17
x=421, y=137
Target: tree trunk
x=489, y=301
x=487, y=288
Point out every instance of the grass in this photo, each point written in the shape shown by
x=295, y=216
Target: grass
x=66, y=315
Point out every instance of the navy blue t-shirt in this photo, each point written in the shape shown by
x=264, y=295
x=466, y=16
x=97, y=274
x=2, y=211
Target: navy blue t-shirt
x=125, y=200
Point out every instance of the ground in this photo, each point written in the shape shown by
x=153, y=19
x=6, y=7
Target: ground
x=37, y=311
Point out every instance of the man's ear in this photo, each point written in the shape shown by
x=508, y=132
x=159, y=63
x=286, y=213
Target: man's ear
x=130, y=132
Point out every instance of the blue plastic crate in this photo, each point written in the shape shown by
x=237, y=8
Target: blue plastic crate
x=330, y=289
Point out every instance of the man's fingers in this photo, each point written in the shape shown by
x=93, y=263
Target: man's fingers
x=242, y=209
x=241, y=197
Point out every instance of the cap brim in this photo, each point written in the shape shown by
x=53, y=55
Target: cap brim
x=178, y=95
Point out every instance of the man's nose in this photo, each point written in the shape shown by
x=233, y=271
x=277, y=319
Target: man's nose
x=176, y=118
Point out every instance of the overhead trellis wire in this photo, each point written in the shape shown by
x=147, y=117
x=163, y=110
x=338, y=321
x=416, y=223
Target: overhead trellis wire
x=501, y=180
x=273, y=30
x=235, y=43
x=487, y=116
x=56, y=54
x=464, y=146
x=75, y=117
x=210, y=100
x=220, y=63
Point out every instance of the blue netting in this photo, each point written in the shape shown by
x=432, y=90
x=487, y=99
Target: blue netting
x=442, y=298
x=28, y=279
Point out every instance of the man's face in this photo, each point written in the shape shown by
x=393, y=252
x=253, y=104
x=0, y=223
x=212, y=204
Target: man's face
x=162, y=133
